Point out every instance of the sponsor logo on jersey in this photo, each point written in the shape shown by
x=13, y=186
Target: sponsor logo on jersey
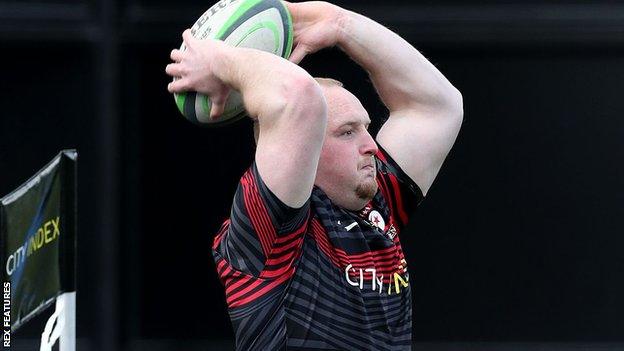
x=399, y=279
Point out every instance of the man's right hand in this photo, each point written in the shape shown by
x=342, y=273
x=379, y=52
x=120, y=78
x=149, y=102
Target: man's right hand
x=194, y=70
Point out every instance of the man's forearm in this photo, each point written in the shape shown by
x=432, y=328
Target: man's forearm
x=404, y=78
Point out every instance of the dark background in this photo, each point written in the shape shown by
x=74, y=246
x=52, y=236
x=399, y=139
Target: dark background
x=519, y=241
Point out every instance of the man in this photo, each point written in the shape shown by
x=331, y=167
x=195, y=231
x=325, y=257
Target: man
x=310, y=257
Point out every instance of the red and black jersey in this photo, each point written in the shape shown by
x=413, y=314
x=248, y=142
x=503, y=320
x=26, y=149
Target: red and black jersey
x=318, y=277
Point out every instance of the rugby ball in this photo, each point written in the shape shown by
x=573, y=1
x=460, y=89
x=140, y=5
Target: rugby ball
x=259, y=24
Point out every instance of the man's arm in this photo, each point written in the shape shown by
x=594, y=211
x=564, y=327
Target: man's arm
x=425, y=109
x=286, y=101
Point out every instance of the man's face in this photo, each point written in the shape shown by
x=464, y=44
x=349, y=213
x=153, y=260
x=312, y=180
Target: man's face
x=346, y=170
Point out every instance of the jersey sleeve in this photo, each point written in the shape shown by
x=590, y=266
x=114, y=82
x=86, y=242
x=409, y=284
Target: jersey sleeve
x=400, y=192
x=263, y=236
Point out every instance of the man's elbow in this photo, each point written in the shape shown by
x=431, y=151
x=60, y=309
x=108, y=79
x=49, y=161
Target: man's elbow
x=305, y=100
x=297, y=96
x=305, y=90
x=455, y=105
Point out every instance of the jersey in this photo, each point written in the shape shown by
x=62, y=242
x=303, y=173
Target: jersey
x=318, y=277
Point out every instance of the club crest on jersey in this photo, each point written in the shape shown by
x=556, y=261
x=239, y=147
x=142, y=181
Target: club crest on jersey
x=377, y=220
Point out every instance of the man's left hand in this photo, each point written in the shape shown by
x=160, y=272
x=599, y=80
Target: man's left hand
x=316, y=26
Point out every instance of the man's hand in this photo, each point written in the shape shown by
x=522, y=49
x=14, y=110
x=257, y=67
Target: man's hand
x=194, y=69
x=316, y=26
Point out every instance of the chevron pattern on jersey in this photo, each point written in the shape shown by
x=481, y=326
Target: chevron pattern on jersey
x=318, y=277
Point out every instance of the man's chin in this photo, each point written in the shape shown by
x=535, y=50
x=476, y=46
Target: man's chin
x=366, y=190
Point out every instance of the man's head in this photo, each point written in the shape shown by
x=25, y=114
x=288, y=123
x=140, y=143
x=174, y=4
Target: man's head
x=346, y=170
